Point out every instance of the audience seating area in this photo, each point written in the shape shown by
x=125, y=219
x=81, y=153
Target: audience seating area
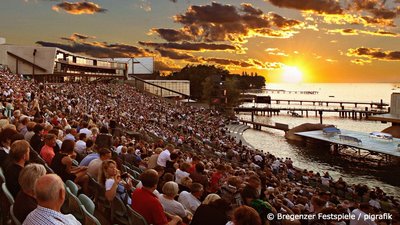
x=138, y=129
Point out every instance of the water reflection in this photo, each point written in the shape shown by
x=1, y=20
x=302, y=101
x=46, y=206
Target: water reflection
x=319, y=159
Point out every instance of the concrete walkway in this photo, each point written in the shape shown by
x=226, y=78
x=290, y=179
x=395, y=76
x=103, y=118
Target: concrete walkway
x=236, y=131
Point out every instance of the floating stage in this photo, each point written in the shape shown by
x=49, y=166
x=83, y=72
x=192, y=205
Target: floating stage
x=357, y=140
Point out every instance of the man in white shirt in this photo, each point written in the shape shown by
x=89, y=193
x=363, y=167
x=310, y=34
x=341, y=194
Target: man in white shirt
x=50, y=196
x=70, y=134
x=85, y=130
x=165, y=156
x=80, y=146
x=191, y=200
x=94, y=166
x=361, y=215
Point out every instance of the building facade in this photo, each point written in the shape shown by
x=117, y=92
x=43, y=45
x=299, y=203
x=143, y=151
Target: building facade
x=50, y=64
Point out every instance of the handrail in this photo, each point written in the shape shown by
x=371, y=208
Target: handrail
x=158, y=86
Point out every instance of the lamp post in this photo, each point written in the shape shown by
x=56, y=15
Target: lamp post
x=34, y=63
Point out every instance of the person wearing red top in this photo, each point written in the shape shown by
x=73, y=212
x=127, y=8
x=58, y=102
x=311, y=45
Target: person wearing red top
x=147, y=204
x=47, y=151
x=195, y=161
x=217, y=179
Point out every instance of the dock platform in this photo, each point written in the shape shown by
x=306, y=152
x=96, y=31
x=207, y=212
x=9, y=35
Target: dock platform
x=371, y=144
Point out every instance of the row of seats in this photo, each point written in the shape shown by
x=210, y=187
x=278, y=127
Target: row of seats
x=7, y=202
x=81, y=206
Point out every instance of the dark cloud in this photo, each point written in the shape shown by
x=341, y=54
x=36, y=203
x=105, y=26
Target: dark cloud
x=227, y=62
x=214, y=13
x=81, y=36
x=361, y=61
x=249, y=9
x=78, y=8
x=379, y=13
x=374, y=53
x=189, y=46
x=175, y=54
x=319, y=6
x=378, y=21
x=347, y=31
x=282, y=22
x=350, y=31
x=159, y=65
x=76, y=36
x=172, y=35
x=98, y=49
x=376, y=8
x=218, y=22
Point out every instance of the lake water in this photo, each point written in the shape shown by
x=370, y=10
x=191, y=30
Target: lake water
x=320, y=161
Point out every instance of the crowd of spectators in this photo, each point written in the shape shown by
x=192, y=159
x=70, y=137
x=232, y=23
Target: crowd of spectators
x=194, y=172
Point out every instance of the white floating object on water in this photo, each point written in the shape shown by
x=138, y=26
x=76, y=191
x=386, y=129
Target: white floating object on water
x=381, y=135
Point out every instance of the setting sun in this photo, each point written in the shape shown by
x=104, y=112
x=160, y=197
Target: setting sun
x=291, y=74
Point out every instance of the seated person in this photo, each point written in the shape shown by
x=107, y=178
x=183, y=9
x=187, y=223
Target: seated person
x=47, y=151
x=110, y=177
x=62, y=166
x=50, y=196
x=245, y=215
x=19, y=155
x=6, y=135
x=191, y=200
x=25, y=202
x=147, y=204
x=94, y=167
x=213, y=213
x=170, y=205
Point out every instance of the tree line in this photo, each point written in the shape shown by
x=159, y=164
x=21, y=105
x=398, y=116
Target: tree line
x=216, y=85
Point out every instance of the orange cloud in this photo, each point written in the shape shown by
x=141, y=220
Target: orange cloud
x=275, y=51
x=361, y=62
x=78, y=8
x=76, y=36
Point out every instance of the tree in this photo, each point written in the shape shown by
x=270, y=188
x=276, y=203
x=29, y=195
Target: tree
x=232, y=91
x=207, y=89
x=196, y=74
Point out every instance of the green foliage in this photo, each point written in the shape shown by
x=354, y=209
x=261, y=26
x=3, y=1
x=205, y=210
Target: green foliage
x=207, y=90
x=196, y=74
x=205, y=80
x=232, y=91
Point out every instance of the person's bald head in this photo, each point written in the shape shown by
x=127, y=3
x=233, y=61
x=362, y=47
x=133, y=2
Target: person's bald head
x=49, y=189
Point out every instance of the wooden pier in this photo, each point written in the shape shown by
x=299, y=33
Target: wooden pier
x=343, y=113
x=345, y=109
x=258, y=126
x=378, y=105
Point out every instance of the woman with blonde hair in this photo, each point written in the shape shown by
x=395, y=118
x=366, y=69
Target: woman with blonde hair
x=115, y=186
x=210, y=198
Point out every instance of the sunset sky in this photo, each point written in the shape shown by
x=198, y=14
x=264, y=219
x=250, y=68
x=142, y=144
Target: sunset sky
x=299, y=40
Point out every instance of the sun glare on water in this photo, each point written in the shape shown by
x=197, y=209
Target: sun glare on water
x=292, y=74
